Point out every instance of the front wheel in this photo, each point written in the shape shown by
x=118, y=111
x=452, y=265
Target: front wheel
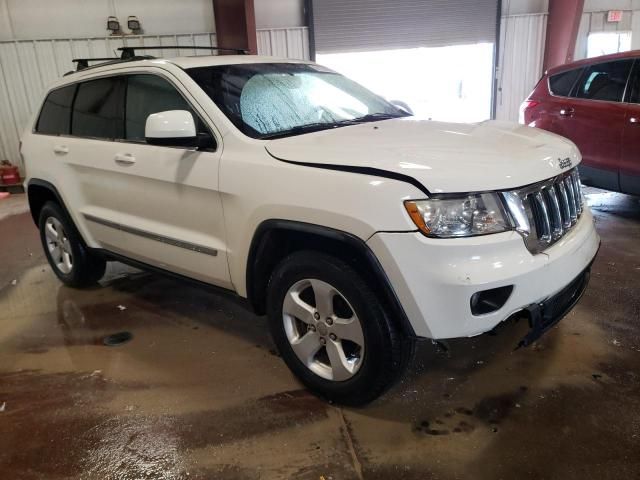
x=332, y=331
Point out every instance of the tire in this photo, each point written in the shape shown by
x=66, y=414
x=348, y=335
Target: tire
x=340, y=370
x=72, y=262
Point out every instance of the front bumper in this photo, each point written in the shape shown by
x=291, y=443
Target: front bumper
x=543, y=316
x=435, y=279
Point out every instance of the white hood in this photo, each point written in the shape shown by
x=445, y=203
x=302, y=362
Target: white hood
x=443, y=157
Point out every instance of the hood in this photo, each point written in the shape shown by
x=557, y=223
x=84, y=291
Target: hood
x=443, y=157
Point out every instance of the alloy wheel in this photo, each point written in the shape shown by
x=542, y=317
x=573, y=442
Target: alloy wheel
x=58, y=245
x=323, y=329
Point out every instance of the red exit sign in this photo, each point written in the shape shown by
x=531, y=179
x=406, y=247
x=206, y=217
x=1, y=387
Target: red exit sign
x=614, y=16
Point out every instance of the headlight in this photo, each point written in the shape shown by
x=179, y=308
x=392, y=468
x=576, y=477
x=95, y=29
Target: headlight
x=463, y=216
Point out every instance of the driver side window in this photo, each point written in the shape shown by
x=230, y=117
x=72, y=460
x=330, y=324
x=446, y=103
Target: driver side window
x=148, y=94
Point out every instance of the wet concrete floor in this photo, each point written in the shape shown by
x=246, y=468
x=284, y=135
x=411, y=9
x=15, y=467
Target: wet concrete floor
x=198, y=392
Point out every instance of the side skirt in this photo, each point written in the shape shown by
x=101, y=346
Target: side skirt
x=229, y=294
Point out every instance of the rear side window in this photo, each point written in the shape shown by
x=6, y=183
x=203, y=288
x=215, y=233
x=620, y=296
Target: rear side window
x=562, y=83
x=147, y=94
x=604, y=81
x=55, y=116
x=634, y=84
x=98, y=109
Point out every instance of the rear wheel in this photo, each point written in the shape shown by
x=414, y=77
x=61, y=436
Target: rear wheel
x=332, y=331
x=72, y=262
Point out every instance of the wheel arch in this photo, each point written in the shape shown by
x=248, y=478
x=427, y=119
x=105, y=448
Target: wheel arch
x=40, y=192
x=274, y=239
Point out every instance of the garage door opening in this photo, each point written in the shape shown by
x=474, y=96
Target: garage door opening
x=450, y=83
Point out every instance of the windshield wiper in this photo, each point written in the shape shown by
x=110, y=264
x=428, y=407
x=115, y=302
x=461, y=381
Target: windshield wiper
x=317, y=126
x=373, y=117
x=300, y=129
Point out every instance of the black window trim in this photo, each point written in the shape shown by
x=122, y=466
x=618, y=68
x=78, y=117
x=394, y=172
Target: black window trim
x=627, y=90
x=573, y=92
x=573, y=86
x=212, y=131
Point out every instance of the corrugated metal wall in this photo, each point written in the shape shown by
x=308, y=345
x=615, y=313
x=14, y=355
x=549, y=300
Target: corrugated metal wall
x=369, y=25
x=597, y=22
x=520, y=67
x=28, y=66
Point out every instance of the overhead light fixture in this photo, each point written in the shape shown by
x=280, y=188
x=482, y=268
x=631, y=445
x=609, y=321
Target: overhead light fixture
x=113, y=24
x=133, y=23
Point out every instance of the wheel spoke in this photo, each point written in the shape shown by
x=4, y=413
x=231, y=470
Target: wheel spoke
x=323, y=293
x=296, y=307
x=307, y=346
x=339, y=366
x=56, y=254
x=51, y=232
x=66, y=261
x=349, y=330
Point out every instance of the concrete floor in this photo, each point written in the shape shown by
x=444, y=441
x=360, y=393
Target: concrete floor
x=199, y=392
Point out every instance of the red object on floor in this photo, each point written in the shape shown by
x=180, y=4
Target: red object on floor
x=4, y=195
x=9, y=175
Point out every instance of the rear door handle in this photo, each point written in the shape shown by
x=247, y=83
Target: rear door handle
x=567, y=112
x=61, y=149
x=635, y=120
x=124, y=159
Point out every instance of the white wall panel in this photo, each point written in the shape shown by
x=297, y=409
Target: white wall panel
x=284, y=42
x=28, y=66
x=596, y=21
x=520, y=67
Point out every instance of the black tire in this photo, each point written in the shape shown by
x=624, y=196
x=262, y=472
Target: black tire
x=387, y=352
x=87, y=267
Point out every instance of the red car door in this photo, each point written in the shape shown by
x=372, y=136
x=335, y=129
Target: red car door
x=630, y=163
x=594, y=119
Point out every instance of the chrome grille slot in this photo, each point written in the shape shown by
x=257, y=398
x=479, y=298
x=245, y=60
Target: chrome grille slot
x=551, y=208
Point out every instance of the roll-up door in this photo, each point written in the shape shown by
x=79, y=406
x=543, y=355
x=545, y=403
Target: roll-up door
x=364, y=25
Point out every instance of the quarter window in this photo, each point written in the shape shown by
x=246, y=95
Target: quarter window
x=562, y=83
x=55, y=116
x=148, y=94
x=97, y=111
x=604, y=81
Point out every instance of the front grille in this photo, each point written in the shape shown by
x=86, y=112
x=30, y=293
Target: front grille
x=544, y=212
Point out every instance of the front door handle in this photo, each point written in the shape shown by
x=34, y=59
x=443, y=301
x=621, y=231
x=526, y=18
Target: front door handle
x=634, y=120
x=61, y=149
x=124, y=159
x=567, y=112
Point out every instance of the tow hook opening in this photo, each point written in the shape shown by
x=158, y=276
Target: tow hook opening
x=488, y=301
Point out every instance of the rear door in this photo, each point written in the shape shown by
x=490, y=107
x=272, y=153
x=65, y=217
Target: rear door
x=630, y=164
x=594, y=120
x=170, y=208
x=83, y=154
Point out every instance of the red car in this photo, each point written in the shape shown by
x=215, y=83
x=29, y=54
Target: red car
x=596, y=104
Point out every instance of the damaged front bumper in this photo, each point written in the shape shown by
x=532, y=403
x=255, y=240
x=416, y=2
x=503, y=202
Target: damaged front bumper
x=543, y=316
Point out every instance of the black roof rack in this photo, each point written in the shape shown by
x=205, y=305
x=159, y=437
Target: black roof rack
x=83, y=63
x=129, y=52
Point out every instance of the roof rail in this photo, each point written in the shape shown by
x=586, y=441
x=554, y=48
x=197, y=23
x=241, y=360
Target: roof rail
x=129, y=52
x=83, y=63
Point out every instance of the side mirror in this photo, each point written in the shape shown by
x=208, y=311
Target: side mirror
x=173, y=128
x=401, y=105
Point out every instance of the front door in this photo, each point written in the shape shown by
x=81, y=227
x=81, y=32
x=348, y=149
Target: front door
x=594, y=120
x=630, y=164
x=170, y=208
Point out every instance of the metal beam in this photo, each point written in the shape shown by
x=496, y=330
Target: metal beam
x=562, y=31
x=236, y=24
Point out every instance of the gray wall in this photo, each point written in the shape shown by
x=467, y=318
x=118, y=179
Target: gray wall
x=35, y=19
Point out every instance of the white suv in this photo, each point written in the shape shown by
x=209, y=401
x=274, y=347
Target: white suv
x=354, y=226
